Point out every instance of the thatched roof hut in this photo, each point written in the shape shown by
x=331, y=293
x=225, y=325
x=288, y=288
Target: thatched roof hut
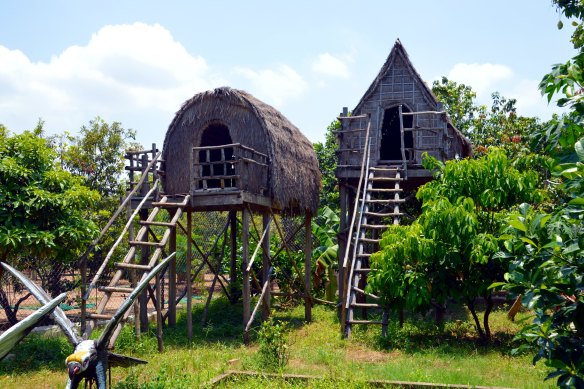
x=398, y=82
x=229, y=116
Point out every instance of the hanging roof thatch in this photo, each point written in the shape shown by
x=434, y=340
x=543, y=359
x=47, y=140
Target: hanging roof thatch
x=398, y=50
x=294, y=172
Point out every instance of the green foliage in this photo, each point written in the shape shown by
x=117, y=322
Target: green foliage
x=325, y=228
x=43, y=212
x=97, y=154
x=327, y=162
x=448, y=251
x=42, y=207
x=458, y=100
x=273, y=349
x=572, y=9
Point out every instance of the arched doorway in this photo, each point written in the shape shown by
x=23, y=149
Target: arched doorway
x=391, y=136
x=214, y=162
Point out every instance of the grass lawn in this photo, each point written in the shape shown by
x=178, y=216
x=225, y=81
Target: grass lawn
x=419, y=351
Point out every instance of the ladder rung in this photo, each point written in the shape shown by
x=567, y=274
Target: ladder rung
x=386, y=201
x=364, y=322
x=118, y=289
x=364, y=255
x=375, y=226
x=133, y=266
x=363, y=270
x=99, y=316
x=384, y=190
x=365, y=305
x=369, y=240
x=153, y=223
x=385, y=169
x=381, y=214
x=385, y=179
x=141, y=243
x=167, y=205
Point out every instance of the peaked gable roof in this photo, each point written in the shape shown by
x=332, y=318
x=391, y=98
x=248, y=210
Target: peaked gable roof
x=398, y=51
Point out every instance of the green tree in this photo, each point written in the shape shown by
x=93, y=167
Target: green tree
x=43, y=210
x=97, y=154
x=448, y=251
x=327, y=162
x=459, y=102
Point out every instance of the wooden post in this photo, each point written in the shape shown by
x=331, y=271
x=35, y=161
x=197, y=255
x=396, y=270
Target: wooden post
x=307, y=267
x=143, y=298
x=159, y=315
x=233, y=258
x=133, y=277
x=83, y=270
x=172, y=280
x=189, y=286
x=245, y=273
x=266, y=265
x=342, y=239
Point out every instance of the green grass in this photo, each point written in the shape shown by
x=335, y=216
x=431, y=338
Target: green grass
x=420, y=351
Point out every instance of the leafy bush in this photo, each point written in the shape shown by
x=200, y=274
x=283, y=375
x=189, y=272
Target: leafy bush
x=274, y=349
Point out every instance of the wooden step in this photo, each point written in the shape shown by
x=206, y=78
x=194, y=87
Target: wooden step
x=168, y=205
x=384, y=190
x=362, y=270
x=141, y=243
x=132, y=266
x=385, y=201
x=118, y=289
x=364, y=321
x=99, y=316
x=364, y=255
x=153, y=223
x=375, y=226
x=365, y=305
x=383, y=214
x=385, y=179
x=369, y=240
x=385, y=169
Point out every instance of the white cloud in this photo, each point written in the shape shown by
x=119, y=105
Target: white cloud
x=123, y=71
x=487, y=78
x=275, y=86
x=481, y=77
x=331, y=66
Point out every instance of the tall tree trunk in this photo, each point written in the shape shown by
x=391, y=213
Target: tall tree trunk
x=488, y=308
x=473, y=312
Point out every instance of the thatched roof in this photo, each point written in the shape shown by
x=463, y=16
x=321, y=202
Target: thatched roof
x=294, y=175
x=398, y=50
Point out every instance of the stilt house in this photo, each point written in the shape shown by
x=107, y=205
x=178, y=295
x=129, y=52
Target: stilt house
x=381, y=147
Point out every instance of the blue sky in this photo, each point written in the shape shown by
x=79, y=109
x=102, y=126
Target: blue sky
x=137, y=61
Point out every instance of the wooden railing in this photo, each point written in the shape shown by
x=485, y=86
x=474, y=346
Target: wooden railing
x=229, y=167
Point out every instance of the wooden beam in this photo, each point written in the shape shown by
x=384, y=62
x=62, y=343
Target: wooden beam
x=245, y=272
x=172, y=280
x=233, y=255
x=188, y=277
x=307, y=266
x=266, y=219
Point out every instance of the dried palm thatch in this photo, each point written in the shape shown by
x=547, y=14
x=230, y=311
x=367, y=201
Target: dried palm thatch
x=294, y=175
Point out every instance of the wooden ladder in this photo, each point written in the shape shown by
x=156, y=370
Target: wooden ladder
x=117, y=285
x=380, y=203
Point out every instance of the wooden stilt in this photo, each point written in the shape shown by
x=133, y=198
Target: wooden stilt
x=188, y=277
x=159, y=314
x=342, y=239
x=172, y=280
x=233, y=258
x=143, y=298
x=266, y=265
x=245, y=273
x=133, y=278
x=307, y=267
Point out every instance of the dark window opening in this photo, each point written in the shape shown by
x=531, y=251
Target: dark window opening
x=215, y=167
x=391, y=136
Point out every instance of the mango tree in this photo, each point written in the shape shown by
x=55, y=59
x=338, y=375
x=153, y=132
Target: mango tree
x=449, y=250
